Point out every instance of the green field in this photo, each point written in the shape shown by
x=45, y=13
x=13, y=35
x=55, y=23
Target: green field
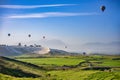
x=53, y=61
x=94, y=67
x=85, y=75
x=110, y=63
x=60, y=61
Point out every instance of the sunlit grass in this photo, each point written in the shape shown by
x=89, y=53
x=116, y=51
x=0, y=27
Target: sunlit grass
x=53, y=61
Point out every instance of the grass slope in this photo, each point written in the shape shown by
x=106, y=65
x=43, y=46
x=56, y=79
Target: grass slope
x=19, y=69
x=53, y=61
x=61, y=68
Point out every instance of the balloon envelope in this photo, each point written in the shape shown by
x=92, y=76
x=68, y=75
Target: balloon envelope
x=29, y=35
x=43, y=37
x=103, y=8
x=9, y=34
x=65, y=46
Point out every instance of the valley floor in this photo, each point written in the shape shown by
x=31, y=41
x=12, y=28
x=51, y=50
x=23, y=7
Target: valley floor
x=93, y=67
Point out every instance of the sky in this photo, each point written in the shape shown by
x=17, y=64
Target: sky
x=77, y=24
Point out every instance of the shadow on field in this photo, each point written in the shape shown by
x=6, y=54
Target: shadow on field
x=9, y=68
x=16, y=72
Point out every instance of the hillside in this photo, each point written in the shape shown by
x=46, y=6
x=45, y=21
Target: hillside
x=27, y=51
x=20, y=50
x=19, y=69
x=60, y=68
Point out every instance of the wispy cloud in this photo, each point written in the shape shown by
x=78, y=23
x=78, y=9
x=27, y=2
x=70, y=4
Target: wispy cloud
x=33, y=6
x=50, y=14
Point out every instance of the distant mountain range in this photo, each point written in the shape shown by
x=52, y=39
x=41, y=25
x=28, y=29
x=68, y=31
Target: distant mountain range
x=20, y=50
x=111, y=48
x=27, y=50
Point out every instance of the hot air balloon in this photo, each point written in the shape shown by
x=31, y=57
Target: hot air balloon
x=9, y=34
x=65, y=46
x=43, y=37
x=102, y=8
x=29, y=35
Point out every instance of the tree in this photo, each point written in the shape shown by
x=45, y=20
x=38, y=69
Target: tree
x=84, y=53
x=19, y=44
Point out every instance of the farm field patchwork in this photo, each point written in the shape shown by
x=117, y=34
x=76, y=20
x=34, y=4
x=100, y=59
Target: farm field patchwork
x=53, y=61
x=63, y=68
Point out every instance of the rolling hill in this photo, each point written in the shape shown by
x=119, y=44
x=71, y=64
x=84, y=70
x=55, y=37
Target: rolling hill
x=28, y=51
x=20, y=50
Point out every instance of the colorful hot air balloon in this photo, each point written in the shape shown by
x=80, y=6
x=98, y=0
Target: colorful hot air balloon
x=102, y=8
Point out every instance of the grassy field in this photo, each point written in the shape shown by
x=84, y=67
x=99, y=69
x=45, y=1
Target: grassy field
x=110, y=63
x=71, y=74
x=85, y=75
x=6, y=77
x=53, y=61
x=94, y=67
x=60, y=61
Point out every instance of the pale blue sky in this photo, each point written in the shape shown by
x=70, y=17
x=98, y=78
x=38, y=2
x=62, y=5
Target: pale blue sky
x=74, y=22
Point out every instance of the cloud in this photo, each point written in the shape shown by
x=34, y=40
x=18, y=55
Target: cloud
x=51, y=43
x=33, y=6
x=50, y=14
x=114, y=43
x=99, y=47
x=110, y=48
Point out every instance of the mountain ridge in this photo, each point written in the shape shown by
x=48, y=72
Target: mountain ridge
x=22, y=50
